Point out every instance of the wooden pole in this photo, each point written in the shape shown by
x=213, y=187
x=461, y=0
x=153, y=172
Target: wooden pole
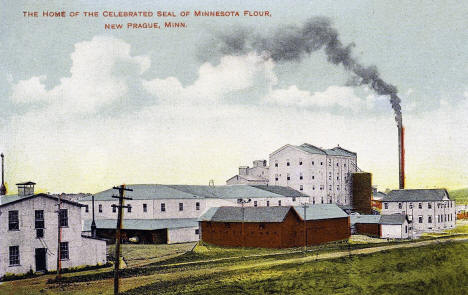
x=59, y=238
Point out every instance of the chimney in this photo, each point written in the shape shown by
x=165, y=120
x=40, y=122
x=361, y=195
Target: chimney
x=3, y=189
x=401, y=154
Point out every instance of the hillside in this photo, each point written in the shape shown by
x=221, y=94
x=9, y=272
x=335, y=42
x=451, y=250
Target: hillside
x=460, y=195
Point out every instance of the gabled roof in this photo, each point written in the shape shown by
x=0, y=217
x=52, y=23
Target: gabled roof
x=250, y=214
x=415, y=195
x=281, y=190
x=393, y=219
x=11, y=199
x=249, y=178
x=321, y=211
x=339, y=151
x=160, y=191
x=142, y=224
x=312, y=149
x=26, y=183
x=379, y=196
x=372, y=219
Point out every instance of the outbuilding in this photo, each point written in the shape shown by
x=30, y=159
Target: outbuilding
x=395, y=226
x=274, y=227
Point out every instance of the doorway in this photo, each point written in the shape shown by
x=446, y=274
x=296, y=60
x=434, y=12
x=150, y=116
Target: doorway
x=41, y=264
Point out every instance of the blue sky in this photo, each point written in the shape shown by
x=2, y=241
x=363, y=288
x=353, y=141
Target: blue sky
x=84, y=108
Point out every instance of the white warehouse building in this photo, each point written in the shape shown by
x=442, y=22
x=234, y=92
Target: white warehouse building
x=428, y=209
x=28, y=231
x=169, y=213
x=323, y=174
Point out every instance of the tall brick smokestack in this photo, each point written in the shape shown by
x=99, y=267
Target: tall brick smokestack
x=3, y=189
x=401, y=154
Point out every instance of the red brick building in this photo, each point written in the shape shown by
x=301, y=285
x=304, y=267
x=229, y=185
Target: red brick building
x=274, y=227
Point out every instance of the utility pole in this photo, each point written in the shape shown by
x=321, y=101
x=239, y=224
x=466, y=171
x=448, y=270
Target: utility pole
x=120, y=207
x=59, y=237
x=242, y=201
x=305, y=206
x=93, y=223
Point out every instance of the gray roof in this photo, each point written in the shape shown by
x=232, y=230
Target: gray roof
x=281, y=190
x=321, y=211
x=251, y=214
x=311, y=149
x=414, y=195
x=379, y=196
x=336, y=151
x=392, y=219
x=142, y=224
x=249, y=177
x=10, y=199
x=160, y=191
x=375, y=219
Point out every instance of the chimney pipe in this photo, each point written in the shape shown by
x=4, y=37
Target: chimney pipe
x=401, y=153
x=3, y=189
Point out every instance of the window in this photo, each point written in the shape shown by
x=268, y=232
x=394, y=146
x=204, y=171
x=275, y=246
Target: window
x=255, y=203
x=181, y=206
x=344, y=165
x=411, y=205
x=313, y=200
x=329, y=187
x=329, y=201
x=313, y=163
x=279, y=203
x=129, y=208
x=337, y=187
x=100, y=208
x=268, y=203
x=287, y=163
x=145, y=208
x=321, y=163
x=197, y=231
x=313, y=187
x=163, y=207
x=64, y=254
x=406, y=229
x=400, y=206
x=276, y=177
x=87, y=209
x=322, y=200
x=300, y=176
x=336, y=164
x=420, y=219
x=386, y=205
x=429, y=205
x=438, y=218
x=63, y=217
x=197, y=206
x=301, y=187
x=39, y=219
x=294, y=199
x=300, y=162
x=13, y=220
x=420, y=205
x=276, y=164
x=337, y=178
x=329, y=162
x=321, y=187
x=114, y=208
x=429, y=219
x=14, y=255
x=313, y=177
x=288, y=177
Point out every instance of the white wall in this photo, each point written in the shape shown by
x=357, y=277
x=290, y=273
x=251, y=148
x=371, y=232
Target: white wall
x=182, y=235
x=26, y=239
x=395, y=231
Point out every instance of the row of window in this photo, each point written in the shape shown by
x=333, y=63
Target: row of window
x=420, y=205
x=14, y=254
x=14, y=222
x=145, y=207
x=288, y=163
x=440, y=218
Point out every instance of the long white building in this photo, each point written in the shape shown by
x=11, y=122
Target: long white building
x=427, y=209
x=28, y=234
x=323, y=174
x=169, y=213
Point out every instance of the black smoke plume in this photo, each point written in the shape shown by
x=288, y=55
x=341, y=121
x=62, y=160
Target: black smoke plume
x=295, y=42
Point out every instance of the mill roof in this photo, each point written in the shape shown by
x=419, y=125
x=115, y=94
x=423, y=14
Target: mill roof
x=249, y=214
x=373, y=219
x=393, y=219
x=142, y=224
x=414, y=195
x=321, y=211
x=11, y=199
x=378, y=219
x=160, y=191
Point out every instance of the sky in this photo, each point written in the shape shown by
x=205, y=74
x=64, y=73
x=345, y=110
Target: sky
x=84, y=108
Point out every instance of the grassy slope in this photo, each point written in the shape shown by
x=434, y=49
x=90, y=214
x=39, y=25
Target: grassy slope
x=460, y=196
x=435, y=269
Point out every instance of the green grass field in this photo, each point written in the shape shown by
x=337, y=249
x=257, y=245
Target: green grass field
x=460, y=196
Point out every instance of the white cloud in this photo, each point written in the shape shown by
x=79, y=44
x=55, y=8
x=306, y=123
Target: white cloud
x=332, y=96
x=94, y=81
x=233, y=73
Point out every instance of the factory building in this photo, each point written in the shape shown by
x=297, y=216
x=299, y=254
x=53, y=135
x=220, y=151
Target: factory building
x=323, y=174
x=427, y=209
x=29, y=225
x=395, y=226
x=255, y=175
x=274, y=227
x=169, y=213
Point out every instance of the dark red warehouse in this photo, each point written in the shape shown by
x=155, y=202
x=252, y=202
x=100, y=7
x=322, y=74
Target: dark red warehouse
x=274, y=227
